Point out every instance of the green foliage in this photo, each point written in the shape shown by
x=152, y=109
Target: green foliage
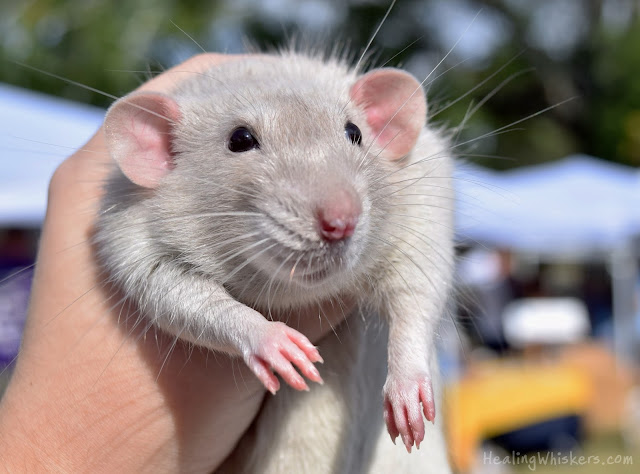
x=114, y=45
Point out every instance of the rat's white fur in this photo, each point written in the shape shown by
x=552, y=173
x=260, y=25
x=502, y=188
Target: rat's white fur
x=338, y=427
x=173, y=250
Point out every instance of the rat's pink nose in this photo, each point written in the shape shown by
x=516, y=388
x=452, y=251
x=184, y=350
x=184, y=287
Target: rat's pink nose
x=337, y=229
x=338, y=215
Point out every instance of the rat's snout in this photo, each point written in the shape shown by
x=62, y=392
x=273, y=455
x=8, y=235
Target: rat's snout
x=338, y=214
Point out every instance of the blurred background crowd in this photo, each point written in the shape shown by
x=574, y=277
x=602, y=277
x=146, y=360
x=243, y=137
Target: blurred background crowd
x=541, y=346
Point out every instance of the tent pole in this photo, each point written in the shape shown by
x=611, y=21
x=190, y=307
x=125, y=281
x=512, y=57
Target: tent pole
x=623, y=280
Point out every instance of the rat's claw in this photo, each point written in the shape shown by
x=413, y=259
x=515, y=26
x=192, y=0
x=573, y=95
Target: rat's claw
x=264, y=374
x=305, y=345
x=302, y=360
x=278, y=348
x=402, y=424
x=403, y=413
x=405, y=429
x=428, y=403
x=390, y=422
x=303, y=364
x=414, y=415
x=283, y=366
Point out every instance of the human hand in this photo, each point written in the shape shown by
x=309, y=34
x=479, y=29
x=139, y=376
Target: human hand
x=92, y=392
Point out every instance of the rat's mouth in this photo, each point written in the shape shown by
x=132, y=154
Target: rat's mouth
x=312, y=278
x=297, y=258
x=304, y=270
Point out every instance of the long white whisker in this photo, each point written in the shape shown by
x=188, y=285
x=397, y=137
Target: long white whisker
x=169, y=351
x=421, y=84
x=248, y=261
x=431, y=243
x=92, y=89
x=189, y=36
x=479, y=85
x=401, y=51
x=375, y=33
x=272, y=279
x=508, y=127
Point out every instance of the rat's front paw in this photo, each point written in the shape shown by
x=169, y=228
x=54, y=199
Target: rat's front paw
x=277, y=348
x=402, y=412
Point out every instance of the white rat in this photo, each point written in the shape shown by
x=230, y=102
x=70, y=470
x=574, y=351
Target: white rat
x=273, y=184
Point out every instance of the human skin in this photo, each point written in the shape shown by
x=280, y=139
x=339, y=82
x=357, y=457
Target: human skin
x=93, y=393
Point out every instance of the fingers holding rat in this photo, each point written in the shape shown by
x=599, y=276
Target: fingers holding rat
x=402, y=408
x=195, y=65
x=279, y=348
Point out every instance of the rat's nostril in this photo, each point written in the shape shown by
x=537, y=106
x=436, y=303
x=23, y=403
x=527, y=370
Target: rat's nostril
x=338, y=214
x=337, y=228
x=327, y=227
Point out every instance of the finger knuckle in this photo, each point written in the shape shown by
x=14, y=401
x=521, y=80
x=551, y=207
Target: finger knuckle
x=64, y=174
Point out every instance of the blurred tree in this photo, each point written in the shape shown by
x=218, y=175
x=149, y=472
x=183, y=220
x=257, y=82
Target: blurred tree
x=537, y=54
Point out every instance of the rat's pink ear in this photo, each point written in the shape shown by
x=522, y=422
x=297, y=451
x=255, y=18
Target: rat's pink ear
x=395, y=107
x=138, y=133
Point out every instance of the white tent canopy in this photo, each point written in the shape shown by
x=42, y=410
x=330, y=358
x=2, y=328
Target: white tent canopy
x=579, y=208
x=36, y=133
x=576, y=206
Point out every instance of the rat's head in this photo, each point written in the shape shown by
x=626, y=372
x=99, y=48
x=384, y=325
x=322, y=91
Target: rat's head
x=261, y=172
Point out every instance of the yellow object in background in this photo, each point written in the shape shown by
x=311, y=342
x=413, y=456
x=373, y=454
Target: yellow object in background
x=499, y=397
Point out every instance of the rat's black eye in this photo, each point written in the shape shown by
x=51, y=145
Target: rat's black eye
x=241, y=140
x=353, y=133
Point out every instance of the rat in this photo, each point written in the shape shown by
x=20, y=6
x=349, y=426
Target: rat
x=266, y=187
